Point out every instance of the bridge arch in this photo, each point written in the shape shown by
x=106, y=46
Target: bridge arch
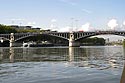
x=44, y=37
x=60, y=37
x=22, y=38
x=4, y=38
x=90, y=34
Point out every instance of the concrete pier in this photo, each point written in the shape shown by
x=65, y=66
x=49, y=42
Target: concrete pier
x=11, y=39
x=72, y=42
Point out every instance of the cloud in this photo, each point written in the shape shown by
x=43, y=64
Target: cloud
x=85, y=27
x=124, y=23
x=16, y=19
x=70, y=2
x=31, y=23
x=53, y=24
x=53, y=20
x=87, y=11
x=65, y=29
x=112, y=24
x=74, y=4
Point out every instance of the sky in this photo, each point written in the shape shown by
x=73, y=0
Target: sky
x=64, y=15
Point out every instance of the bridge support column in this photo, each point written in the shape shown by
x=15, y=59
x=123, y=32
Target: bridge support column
x=72, y=42
x=11, y=39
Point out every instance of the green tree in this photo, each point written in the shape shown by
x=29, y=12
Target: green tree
x=26, y=31
x=6, y=29
x=93, y=41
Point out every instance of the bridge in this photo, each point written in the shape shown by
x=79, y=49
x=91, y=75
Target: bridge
x=72, y=37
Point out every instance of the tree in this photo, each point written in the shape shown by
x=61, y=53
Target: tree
x=26, y=30
x=6, y=29
x=93, y=41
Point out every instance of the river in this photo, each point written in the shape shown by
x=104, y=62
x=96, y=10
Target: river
x=87, y=64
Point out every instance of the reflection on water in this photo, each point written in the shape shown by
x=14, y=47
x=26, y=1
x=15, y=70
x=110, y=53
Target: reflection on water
x=99, y=57
x=92, y=63
x=11, y=55
x=71, y=54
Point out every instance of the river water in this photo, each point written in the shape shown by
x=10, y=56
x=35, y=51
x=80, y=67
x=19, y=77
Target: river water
x=88, y=64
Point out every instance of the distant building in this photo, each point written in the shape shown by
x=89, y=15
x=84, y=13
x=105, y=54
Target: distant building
x=30, y=28
x=21, y=27
x=42, y=30
x=47, y=30
x=38, y=29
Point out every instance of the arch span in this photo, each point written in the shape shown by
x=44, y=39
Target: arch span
x=42, y=37
x=4, y=38
x=27, y=36
x=90, y=34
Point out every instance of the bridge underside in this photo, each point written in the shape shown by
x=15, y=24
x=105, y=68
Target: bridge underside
x=49, y=38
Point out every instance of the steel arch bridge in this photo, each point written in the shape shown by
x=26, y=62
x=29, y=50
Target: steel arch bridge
x=70, y=36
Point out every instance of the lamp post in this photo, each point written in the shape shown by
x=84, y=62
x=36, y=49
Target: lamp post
x=76, y=22
x=72, y=23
